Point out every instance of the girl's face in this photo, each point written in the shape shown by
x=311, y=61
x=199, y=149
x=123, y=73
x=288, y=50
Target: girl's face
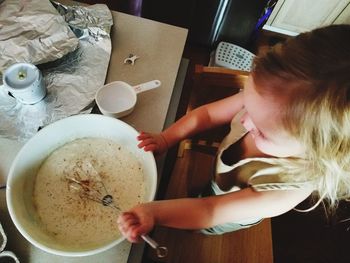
x=262, y=122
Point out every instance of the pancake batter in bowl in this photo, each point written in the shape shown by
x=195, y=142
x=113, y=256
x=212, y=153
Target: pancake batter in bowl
x=75, y=221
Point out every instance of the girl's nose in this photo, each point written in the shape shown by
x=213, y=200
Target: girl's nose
x=247, y=122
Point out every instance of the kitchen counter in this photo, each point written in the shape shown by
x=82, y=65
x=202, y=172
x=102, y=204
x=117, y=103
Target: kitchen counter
x=160, y=48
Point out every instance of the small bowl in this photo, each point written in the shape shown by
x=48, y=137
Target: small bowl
x=118, y=99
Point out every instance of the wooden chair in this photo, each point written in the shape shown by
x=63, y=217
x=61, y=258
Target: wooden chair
x=192, y=171
x=211, y=84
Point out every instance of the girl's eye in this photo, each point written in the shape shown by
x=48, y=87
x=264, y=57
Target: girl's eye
x=260, y=134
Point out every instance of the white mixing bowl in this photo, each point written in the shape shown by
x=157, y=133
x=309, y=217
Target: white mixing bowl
x=25, y=166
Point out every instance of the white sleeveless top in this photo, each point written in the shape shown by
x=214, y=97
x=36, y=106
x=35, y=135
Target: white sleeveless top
x=262, y=174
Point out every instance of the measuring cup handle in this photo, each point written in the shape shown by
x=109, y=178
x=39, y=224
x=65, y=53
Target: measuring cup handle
x=147, y=86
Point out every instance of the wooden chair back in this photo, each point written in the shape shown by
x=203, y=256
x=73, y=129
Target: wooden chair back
x=211, y=84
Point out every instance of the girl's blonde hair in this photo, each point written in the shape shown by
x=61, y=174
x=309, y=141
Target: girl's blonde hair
x=310, y=76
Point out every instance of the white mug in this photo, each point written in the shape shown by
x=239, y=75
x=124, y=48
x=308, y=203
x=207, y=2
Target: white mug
x=25, y=82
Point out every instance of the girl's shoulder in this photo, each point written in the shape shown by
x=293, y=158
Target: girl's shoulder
x=241, y=164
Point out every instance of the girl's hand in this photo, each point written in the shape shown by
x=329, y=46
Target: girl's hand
x=136, y=222
x=153, y=142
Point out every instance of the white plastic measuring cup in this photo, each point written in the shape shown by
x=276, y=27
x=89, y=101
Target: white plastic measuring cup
x=117, y=99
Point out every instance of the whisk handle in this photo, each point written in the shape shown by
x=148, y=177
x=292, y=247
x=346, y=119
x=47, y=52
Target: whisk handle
x=161, y=251
x=150, y=241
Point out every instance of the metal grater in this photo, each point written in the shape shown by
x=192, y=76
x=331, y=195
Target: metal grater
x=232, y=56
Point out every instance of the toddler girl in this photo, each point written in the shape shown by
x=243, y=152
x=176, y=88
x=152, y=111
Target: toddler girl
x=290, y=137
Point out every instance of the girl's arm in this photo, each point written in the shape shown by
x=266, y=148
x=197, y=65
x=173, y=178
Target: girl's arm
x=203, y=118
x=245, y=204
x=197, y=213
x=200, y=119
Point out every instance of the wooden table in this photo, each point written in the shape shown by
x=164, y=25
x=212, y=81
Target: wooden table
x=160, y=48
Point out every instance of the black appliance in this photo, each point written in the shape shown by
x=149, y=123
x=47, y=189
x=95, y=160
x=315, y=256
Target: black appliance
x=209, y=21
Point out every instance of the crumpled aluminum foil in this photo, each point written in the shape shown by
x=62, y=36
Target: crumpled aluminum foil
x=33, y=31
x=71, y=81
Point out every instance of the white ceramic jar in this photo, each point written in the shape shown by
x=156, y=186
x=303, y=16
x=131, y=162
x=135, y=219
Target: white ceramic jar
x=25, y=82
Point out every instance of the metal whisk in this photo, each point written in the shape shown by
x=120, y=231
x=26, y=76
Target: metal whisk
x=86, y=181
